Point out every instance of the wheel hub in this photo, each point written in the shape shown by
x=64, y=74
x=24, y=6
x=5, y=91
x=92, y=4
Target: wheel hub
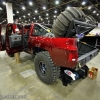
x=42, y=67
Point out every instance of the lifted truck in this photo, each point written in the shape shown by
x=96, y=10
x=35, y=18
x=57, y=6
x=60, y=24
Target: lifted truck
x=54, y=55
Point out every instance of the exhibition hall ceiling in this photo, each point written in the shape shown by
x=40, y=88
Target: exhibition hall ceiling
x=46, y=11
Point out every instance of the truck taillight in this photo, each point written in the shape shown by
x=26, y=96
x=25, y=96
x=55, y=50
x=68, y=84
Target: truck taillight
x=73, y=56
x=72, y=42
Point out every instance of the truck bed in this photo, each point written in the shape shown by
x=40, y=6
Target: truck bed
x=86, y=52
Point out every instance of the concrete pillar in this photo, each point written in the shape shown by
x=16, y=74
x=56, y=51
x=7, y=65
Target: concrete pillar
x=9, y=11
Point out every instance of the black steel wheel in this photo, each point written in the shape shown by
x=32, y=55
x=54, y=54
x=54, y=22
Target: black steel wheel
x=45, y=69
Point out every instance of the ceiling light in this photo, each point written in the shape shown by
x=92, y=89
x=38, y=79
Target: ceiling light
x=4, y=3
x=55, y=11
x=44, y=7
x=24, y=16
x=36, y=11
x=83, y=3
x=17, y=12
x=57, y=2
x=0, y=8
x=34, y=18
x=68, y=7
x=89, y=7
x=30, y=3
x=47, y=18
x=19, y=17
x=25, y=21
x=13, y=14
x=28, y=14
x=94, y=11
x=48, y=21
x=41, y=19
x=97, y=14
x=54, y=16
x=23, y=8
x=47, y=14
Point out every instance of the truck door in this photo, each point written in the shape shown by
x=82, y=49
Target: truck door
x=26, y=32
x=13, y=41
x=2, y=37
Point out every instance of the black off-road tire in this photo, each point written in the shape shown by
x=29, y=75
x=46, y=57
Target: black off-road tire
x=62, y=22
x=51, y=72
x=91, y=20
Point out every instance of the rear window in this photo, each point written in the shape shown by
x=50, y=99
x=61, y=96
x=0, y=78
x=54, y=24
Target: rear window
x=39, y=30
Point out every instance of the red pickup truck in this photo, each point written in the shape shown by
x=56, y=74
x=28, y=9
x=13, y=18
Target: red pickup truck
x=53, y=55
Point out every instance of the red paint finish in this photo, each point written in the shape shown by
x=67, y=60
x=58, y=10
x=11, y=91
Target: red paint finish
x=31, y=29
x=63, y=51
x=9, y=29
x=2, y=46
x=60, y=49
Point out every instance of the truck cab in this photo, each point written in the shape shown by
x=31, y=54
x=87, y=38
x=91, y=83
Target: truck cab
x=12, y=42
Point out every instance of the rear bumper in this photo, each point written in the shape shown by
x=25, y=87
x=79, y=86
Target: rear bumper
x=87, y=57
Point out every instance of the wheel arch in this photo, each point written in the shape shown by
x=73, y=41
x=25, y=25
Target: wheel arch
x=52, y=73
x=38, y=49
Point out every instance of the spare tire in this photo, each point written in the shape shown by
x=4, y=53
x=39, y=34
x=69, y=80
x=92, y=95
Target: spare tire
x=91, y=20
x=62, y=22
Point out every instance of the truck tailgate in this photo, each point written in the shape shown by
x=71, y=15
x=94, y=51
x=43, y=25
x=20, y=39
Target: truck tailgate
x=86, y=53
